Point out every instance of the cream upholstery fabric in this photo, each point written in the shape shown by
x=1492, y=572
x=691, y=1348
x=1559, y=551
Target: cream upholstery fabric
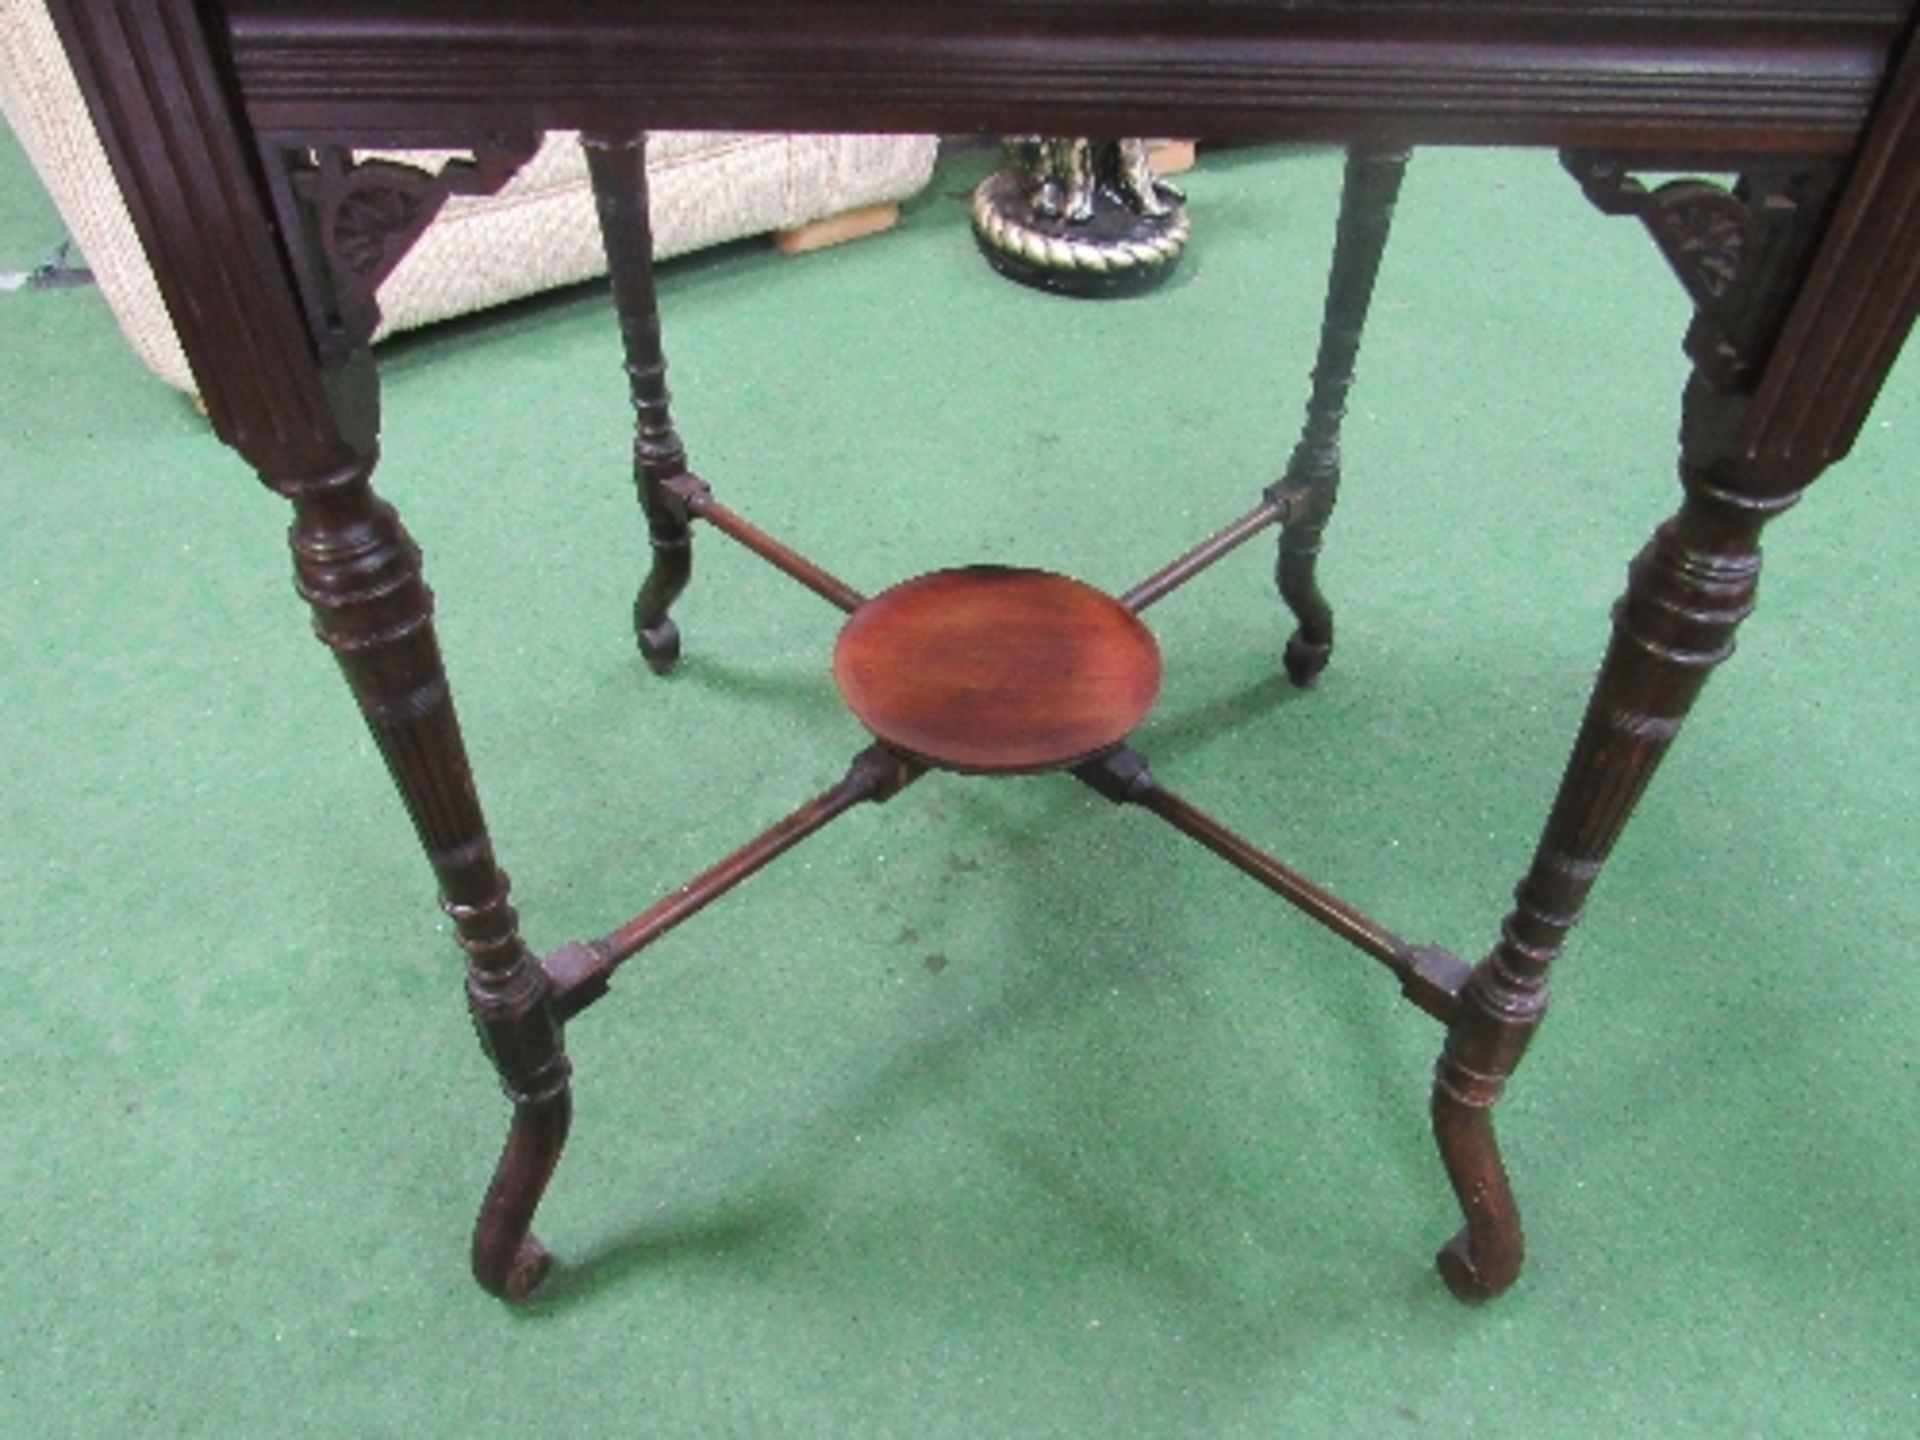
x=538, y=232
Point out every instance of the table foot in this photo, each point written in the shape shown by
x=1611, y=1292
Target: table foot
x=1484, y=1258
x=1311, y=644
x=508, y=1259
x=1305, y=659
x=656, y=634
x=1465, y=1278
x=659, y=643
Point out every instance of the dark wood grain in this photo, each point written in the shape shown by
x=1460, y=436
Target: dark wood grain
x=203, y=207
x=209, y=111
x=617, y=164
x=580, y=973
x=1849, y=319
x=1430, y=976
x=694, y=493
x=1202, y=557
x=1307, y=492
x=1734, y=76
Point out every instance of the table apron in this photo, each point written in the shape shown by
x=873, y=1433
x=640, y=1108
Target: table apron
x=440, y=73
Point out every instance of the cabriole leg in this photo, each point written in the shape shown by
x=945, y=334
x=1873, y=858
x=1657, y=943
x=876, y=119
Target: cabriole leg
x=618, y=165
x=1307, y=491
x=359, y=570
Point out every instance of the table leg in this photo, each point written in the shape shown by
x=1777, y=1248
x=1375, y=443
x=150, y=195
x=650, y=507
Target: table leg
x=618, y=165
x=1687, y=592
x=360, y=571
x=1308, y=489
x=1759, y=424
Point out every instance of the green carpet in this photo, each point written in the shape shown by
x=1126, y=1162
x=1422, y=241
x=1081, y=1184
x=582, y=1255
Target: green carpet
x=997, y=1111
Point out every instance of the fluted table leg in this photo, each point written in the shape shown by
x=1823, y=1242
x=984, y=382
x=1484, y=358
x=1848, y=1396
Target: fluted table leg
x=360, y=572
x=1687, y=592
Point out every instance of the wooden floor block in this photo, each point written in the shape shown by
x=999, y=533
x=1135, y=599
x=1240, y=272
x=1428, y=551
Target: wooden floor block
x=837, y=229
x=1172, y=157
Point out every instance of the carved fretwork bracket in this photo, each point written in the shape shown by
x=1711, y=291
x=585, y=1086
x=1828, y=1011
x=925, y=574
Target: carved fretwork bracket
x=1738, y=250
x=349, y=222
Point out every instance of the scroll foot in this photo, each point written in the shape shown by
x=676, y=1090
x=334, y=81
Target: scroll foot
x=1464, y=1277
x=1485, y=1257
x=659, y=644
x=672, y=568
x=1305, y=660
x=1311, y=644
x=508, y=1260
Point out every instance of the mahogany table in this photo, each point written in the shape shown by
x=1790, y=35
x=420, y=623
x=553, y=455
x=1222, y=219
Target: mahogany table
x=233, y=127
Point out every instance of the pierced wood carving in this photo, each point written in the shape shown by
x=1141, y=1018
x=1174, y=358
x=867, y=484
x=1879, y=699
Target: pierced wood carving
x=1736, y=249
x=1704, y=231
x=361, y=217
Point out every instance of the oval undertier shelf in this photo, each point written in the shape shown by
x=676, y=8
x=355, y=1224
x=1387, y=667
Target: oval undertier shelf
x=993, y=670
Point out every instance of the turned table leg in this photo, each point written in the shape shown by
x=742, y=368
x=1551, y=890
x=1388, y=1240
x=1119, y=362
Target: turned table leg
x=360, y=572
x=1687, y=592
x=268, y=256
x=1307, y=491
x=1766, y=411
x=618, y=165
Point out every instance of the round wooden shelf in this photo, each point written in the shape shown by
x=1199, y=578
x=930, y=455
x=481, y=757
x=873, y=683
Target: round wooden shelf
x=997, y=671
